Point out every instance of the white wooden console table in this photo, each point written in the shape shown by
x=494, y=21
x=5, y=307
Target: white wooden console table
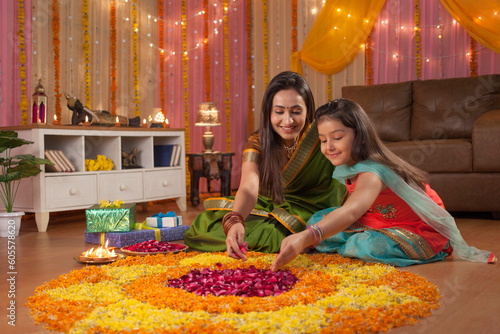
x=62, y=191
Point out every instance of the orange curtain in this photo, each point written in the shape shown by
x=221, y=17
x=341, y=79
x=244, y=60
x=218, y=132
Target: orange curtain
x=481, y=19
x=337, y=35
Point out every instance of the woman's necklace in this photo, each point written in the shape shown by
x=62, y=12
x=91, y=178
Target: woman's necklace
x=290, y=150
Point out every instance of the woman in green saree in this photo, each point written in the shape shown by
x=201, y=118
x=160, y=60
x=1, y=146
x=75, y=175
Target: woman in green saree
x=285, y=178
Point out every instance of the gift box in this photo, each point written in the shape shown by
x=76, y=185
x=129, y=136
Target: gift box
x=122, y=239
x=110, y=219
x=164, y=220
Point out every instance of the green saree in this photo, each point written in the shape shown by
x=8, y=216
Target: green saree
x=308, y=187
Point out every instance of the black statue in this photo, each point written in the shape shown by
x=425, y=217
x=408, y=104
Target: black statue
x=101, y=117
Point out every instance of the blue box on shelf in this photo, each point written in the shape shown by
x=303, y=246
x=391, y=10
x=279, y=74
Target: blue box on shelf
x=162, y=155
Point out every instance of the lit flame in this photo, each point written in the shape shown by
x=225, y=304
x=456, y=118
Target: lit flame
x=101, y=252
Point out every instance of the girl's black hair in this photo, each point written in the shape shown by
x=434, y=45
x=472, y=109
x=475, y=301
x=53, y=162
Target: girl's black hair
x=367, y=143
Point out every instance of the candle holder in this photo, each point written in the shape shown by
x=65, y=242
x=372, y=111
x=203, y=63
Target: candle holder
x=56, y=121
x=117, y=123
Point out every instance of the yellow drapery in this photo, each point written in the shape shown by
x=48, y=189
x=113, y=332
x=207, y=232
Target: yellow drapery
x=481, y=19
x=337, y=35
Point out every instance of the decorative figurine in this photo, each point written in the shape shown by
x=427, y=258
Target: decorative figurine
x=129, y=160
x=97, y=117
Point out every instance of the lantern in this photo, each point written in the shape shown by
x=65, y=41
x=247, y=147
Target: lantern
x=39, y=106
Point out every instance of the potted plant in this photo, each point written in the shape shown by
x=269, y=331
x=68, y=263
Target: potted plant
x=13, y=168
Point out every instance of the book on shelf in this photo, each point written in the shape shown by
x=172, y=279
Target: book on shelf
x=177, y=155
x=174, y=152
x=60, y=161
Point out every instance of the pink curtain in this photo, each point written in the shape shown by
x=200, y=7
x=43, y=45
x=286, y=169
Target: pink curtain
x=237, y=131
x=10, y=81
x=445, y=45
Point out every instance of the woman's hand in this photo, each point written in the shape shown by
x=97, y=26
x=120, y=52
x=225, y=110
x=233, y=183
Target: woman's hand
x=234, y=241
x=291, y=247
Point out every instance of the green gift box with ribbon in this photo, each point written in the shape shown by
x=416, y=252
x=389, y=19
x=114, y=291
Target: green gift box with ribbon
x=110, y=219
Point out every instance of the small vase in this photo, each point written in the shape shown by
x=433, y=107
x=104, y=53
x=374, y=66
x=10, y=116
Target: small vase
x=10, y=223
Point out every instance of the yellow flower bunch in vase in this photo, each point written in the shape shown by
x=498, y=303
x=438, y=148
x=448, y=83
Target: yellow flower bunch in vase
x=100, y=163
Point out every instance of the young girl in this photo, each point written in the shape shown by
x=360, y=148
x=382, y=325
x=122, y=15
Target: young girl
x=390, y=215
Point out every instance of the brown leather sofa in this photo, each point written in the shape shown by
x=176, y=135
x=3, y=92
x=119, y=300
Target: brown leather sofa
x=449, y=128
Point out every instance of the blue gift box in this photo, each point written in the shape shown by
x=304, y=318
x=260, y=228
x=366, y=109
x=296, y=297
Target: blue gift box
x=122, y=239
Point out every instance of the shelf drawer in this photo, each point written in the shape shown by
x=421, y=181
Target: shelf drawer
x=125, y=186
x=164, y=183
x=70, y=191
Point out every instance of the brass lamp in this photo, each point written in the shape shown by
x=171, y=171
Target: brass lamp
x=208, y=116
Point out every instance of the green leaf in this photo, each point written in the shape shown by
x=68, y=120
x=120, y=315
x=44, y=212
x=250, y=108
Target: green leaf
x=9, y=140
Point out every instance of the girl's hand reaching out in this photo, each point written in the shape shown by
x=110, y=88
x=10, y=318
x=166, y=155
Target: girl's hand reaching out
x=291, y=247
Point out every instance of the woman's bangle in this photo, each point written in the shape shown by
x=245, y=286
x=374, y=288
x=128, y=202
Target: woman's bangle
x=230, y=219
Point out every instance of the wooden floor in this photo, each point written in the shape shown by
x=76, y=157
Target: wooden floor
x=471, y=291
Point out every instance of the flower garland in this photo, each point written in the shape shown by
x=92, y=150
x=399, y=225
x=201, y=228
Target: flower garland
x=135, y=59
x=473, y=57
x=206, y=51
x=23, y=105
x=226, y=73
x=57, y=60
x=249, y=64
x=265, y=42
x=333, y=294
x=161, y=43
x=418, y=57
x=369, y=58
x=112, y=45
x=329, y=88
x=294, y=26
x=187, y=137
x=86, y=50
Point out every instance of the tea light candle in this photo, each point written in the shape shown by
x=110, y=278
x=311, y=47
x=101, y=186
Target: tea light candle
x=117, y=124
x=166, y=123
x=86, y=123
x=56, y=121
x=144, y=125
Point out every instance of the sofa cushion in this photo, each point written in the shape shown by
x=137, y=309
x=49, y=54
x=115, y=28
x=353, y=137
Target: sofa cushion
x=447, y=108
x=436, y=156
x=387, y=105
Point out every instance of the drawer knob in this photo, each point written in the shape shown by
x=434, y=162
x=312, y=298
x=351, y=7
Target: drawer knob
x=73, y=191
x=165, y=183
x=123, y=187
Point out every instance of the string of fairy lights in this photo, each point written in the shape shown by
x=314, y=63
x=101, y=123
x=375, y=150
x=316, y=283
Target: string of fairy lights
x=146, y=35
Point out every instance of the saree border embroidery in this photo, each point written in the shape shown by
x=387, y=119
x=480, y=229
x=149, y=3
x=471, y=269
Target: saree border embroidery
x=293, y=223
x=300, y=156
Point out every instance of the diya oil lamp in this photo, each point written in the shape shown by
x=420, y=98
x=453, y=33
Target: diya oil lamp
x=100, y=254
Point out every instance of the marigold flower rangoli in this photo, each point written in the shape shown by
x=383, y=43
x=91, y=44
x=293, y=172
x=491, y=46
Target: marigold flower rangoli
x=321, y=293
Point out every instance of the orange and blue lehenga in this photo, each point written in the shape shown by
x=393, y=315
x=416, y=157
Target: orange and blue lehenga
x=307, y=185
x=405, y=225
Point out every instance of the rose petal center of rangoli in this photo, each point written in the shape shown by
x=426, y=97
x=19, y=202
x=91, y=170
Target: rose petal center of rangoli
x=248, y=282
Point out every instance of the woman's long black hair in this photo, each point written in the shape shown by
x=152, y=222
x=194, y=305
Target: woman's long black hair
x=272, y=157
